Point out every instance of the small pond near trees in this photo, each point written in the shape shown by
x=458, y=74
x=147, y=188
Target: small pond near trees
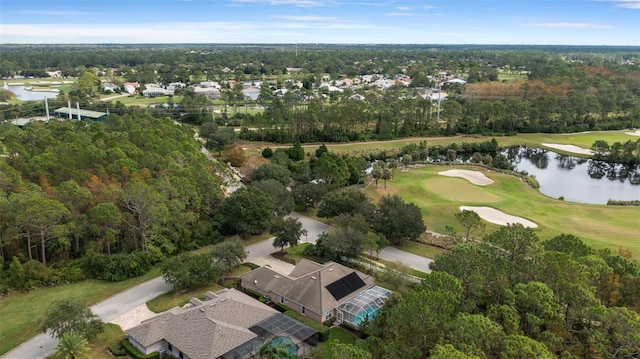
x=577, y=179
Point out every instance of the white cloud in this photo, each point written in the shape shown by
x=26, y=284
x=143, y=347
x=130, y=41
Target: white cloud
x=310, y=18
x=627, y=4
x=186, y=32
x=56, y=13
x=299, y=3
x=403, y=8
x=428, y=7
x=400, y=14
x=569, y=25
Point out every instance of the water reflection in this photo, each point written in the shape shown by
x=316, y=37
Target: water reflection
x=577, y=179
x=22, y=93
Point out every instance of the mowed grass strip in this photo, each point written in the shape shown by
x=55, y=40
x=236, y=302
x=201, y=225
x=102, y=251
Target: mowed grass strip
x=21, y=313
x=600, y=226
x=582, y=139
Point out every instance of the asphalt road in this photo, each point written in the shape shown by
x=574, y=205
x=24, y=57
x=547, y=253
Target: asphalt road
x=42, y=345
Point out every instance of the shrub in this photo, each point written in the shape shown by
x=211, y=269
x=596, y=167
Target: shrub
x=329, y=322
x=117, y=349
x=280, y=307
x=133, y=352
x=251, y=265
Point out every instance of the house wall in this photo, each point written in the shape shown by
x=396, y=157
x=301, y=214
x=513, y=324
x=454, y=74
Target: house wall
x=151, y=348
x=298, y=308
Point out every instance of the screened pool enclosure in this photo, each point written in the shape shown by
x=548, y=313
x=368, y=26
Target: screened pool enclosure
x=363, y=307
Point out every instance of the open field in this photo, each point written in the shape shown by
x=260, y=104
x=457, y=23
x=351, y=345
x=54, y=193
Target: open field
x=21, y=313
x=583, y=139
x=146, y=101
x=512, y=75
x=439, y=198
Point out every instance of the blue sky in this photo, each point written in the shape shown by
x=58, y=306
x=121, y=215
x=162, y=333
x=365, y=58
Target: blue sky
x=543, y=22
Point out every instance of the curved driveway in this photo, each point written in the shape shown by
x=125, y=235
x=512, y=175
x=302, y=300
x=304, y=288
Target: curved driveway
x=43, y=344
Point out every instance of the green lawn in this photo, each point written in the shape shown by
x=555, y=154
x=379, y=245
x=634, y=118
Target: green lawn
x=21, y=313
x=341, y=335
x=99, y=346
x=178, y=299
x=439, y=198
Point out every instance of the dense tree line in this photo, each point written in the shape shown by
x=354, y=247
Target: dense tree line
x=562, y=89
x=513, y=296
x=104, y=200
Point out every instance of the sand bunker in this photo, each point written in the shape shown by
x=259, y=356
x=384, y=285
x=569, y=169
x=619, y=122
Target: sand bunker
x=475, y=177
x=498, y=217
x=636, y=133
x=569, y=148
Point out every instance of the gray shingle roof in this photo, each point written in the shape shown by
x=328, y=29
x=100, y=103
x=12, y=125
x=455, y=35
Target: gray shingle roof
x=306, y=285
x=208, y=330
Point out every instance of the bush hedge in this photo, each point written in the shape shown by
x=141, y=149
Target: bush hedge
x=117, y=349
x=135, y=353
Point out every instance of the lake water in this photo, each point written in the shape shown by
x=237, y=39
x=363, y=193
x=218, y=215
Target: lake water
x=577, y=179
x=23, y=94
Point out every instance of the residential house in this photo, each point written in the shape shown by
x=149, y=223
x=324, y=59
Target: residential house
x=228, y=324
x=321, y=291
x=212, y=93
x=155, y=90
x=109, y=86
x=131, y=87
x=251, y=93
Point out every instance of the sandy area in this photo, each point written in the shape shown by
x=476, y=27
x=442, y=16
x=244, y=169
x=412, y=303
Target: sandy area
x=498, y=217
x=636, y=133
x=475, y=177
x=569, y=148
x=133, y=317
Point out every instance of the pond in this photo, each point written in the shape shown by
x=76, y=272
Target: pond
x=577, y=179
x=25, y=95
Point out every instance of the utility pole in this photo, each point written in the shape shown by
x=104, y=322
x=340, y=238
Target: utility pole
x=439, y=95
x=46, y=106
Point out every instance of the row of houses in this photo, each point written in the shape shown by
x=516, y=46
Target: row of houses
x=229, y=324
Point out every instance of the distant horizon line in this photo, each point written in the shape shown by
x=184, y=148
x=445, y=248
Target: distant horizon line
x=303, y=44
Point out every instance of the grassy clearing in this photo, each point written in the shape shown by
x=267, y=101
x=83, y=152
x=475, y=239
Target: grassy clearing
x=178, y=299
x=295, y=253
x=584, y=139
x=100, y=345
x=147, y=101
x=413, y=272
x=22, y=313
x=342, y=336
x=598, y=225
x=421, y=249
x=512, y=76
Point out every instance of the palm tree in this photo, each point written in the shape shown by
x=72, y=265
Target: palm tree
x=72, y=346
x=270, y=351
